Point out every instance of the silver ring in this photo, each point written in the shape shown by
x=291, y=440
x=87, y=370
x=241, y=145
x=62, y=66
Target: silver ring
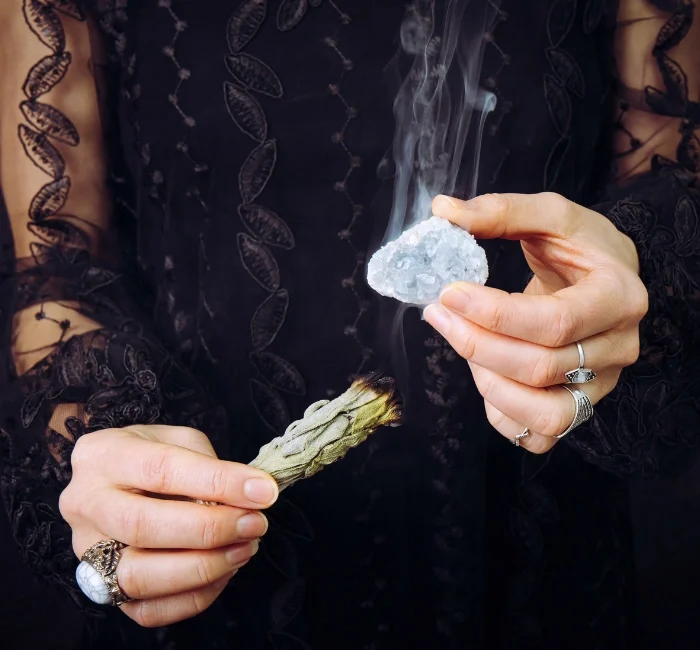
x=580, y=375
x=96, y=574
x=584, y=408
x=523, y=434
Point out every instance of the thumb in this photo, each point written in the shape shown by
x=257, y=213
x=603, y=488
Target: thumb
x=186, y=437
x=511, y=216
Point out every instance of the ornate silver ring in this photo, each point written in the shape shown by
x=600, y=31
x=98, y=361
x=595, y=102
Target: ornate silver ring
x=580, y=375
x=97, y=573
x=584, y=408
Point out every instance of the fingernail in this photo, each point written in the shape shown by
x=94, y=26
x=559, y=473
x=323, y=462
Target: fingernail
x=233, y=555
x=456, y=299
x=439, y=317
x=442, y=202
x=238, y=553
x=222, y=582
x=252, y=525
x=261, y=490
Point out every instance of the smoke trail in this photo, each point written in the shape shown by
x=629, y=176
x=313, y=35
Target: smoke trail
x=440, y=110
x=436, y=105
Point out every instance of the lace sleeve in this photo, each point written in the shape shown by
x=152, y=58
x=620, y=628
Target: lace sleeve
x=76, y=355
x=649, y=424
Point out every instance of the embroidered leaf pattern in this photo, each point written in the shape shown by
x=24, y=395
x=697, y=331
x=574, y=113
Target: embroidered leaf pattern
x=49, y=199
x=57, y=232
x=286, y=603
x=259, y=262
x=268, y=319
x=558, y=103
x=560, y=20
x=674, y=31
x=256, y=170
x=278, y=372
x=41, y=152
x=45, y=74
x=567, y=70
x=245, y=111
x=50, y=121
x=68, y=7
x=270, y=406
x=266, y=226
x=255, y=75
x=44, y=22
x=244, y=23
x=290, y=13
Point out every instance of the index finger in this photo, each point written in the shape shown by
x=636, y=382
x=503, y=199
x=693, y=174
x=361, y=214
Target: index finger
x=512, y=216
x=555, y=320
x=168, y=469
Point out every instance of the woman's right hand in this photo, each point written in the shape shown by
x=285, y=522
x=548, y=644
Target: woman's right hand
x=180, y=554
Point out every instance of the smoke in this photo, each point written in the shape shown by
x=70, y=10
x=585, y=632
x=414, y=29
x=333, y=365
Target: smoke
x=439, y=107
x=440, y=112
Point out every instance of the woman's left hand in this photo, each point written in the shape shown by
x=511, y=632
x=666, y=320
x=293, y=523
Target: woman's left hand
x=585, y=288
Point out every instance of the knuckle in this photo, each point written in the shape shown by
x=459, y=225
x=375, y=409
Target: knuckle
x=487, y=385
x=148, y=613
x=634, y=296
x=499, y=203
x=89, y=449
x=219, y=483
x=199, y=602
x=540, y=446
x=560, y=211
x=550, y=423
x=495, y=418
x=639, y=301
x=564, y=329
x=632, y=351
x=82, y=455
x=211, y=533
x=157, y=470
x=143, y=431
x=498, y=319
x=68, y=504
x=78, y=549
x=134, y=583
x=188, y=435
x=555, y=203
x=204, y=569
x=132, y=526
x=493, y=415
x=466, y=346
x=611, y=383
x=74, y=503
x=545, y=372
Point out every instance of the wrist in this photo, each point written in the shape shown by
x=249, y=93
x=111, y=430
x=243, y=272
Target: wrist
x=34, y=337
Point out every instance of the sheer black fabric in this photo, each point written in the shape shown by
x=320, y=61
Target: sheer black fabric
x=216, y=279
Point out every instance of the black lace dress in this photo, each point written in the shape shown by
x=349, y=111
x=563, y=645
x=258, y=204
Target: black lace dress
x=250, y=175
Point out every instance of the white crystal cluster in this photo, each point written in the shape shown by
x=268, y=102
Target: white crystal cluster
x=415, y=267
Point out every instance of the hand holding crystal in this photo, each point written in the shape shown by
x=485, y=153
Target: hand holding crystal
x=137, y=486
x=585, y=288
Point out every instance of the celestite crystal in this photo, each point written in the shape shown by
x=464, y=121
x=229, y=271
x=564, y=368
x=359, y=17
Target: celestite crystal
x=415, y=267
